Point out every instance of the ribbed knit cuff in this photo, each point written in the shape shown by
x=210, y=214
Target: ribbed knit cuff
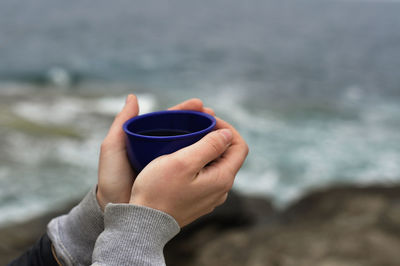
x=74, y=235
x=134, y=235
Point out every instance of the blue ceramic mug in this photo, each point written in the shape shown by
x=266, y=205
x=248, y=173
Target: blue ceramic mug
x=154, y=134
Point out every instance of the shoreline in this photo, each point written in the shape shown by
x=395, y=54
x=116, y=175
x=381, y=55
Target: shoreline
x=249, y=229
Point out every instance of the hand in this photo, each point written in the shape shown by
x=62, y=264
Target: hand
x=194, y=180
x=115, y=175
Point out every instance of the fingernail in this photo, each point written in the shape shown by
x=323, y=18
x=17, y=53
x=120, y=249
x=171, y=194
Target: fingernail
x=227, y=134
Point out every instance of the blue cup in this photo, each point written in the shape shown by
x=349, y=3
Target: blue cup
x=154, y=134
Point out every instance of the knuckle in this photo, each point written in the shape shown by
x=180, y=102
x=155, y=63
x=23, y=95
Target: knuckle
x=246, y=149
x=210, y=210
x=227, y=184
x=222, y=199
x=224, y=181
x=105, y=146
x=214, y=143
x=180, y=163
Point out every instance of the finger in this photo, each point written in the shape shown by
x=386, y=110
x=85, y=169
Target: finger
x=237, y=138
x=205, y=150
x=208, y=111
x=130, y=110
x=222, y=171
x=226, y=167
x=192, y=104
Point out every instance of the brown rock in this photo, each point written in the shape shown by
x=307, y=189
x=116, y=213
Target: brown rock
x=346, y=226
x=236, y=212
x=339, y=226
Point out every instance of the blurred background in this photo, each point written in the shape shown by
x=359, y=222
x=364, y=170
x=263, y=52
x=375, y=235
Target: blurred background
x=312, y=85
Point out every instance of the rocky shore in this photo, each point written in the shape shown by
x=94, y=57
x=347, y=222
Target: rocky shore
x=346, y=226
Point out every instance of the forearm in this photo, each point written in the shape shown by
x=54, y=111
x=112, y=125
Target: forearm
x=133, y=235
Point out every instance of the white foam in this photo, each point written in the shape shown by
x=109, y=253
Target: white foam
x=108, y=105
x=11, y=213
x=147, y=103
x=83, y=153
x=21, y=148
x=264, y=184
x=64, y=110
x=59, y=76
x=353, y=94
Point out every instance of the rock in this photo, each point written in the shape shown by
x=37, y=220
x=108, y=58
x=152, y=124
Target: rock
x=236, y=212
x=339, y=226
x=346, y=226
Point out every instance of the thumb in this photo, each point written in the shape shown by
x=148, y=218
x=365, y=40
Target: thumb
x=130, y=110
x=209, y=148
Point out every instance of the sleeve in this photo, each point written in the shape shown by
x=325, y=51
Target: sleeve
x=133, y=235
x=40, y=254
x=74, y=235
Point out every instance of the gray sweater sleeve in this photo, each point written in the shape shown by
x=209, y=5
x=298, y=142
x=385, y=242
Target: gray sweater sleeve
x=74, y=235
x=133, y=235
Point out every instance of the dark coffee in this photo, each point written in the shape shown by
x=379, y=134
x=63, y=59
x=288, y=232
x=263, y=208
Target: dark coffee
x=163, y=132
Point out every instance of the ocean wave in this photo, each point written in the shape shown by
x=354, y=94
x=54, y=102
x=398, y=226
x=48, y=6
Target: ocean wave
x=67, y=109
x=293, y=148
x=55, y=165
x=296, y=148
x=53, y=76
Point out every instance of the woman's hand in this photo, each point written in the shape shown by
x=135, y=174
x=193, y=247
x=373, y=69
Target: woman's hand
x=194, y=180
x=115, y=175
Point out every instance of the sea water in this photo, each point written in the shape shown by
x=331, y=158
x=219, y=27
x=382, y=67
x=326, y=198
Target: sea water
x=312, y=86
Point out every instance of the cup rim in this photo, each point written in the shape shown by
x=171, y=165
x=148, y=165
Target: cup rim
x=143, y=116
